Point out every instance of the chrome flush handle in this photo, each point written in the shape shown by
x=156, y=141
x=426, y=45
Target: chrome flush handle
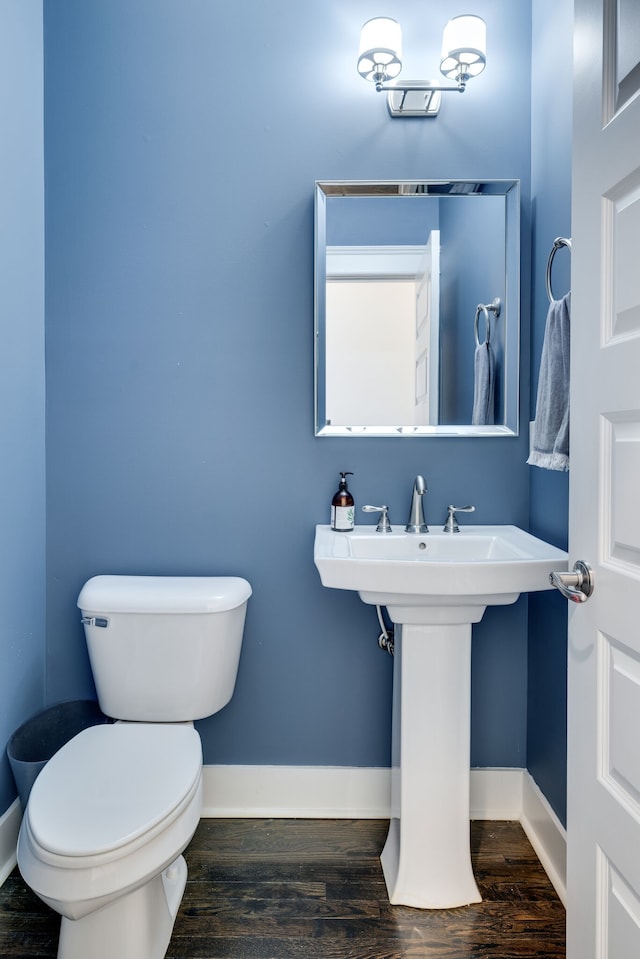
x=101, y=621
x=576, y=586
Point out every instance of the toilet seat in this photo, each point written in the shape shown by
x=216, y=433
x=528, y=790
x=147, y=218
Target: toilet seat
x=111, y=788
x=129, y=849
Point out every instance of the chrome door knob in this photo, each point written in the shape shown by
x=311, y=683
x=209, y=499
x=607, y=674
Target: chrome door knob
x=576, y=586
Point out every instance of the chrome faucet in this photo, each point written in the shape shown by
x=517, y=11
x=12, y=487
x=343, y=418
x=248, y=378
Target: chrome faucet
x=416, y=523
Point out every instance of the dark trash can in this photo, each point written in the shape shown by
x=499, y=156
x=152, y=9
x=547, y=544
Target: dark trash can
x=33, y=744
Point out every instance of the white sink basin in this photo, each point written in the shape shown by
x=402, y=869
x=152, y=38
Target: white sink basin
x=479, y=566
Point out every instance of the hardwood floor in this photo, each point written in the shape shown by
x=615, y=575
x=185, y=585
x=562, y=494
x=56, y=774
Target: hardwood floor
x=313, y=889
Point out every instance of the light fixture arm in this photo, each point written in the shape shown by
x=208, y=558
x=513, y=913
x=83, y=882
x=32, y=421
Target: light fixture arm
x=418, y=87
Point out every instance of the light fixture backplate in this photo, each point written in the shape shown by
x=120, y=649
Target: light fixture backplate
x=411, y=99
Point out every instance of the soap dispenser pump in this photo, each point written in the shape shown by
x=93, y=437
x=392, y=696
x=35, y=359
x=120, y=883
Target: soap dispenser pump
x=343, y=507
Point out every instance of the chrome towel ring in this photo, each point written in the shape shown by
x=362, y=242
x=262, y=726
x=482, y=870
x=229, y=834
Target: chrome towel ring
x=493, y=307
x=559, y=242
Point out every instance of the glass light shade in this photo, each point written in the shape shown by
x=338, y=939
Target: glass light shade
x=380, y=55
x=464, y=48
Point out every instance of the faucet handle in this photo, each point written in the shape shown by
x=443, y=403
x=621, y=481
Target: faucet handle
x=451, y=525
x=384, y=526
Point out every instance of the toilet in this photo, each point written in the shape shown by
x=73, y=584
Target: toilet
x=110, y=814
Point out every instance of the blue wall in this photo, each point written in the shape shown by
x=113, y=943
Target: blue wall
x=179, y=239
x=179, y=249
x=551, y=205
x=22, y=583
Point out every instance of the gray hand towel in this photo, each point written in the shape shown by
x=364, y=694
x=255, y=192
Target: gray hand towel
x=550, y=447
x=483, y=387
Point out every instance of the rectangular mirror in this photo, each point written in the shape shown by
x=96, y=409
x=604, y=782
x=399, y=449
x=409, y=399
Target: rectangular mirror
x=417, y=308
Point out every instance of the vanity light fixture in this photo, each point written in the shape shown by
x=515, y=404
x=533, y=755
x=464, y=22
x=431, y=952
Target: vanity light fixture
x=464, y=44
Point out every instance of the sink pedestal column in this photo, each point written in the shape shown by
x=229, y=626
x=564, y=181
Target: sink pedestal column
x=426, y=859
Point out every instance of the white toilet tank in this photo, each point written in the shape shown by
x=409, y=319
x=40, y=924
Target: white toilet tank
x=164, y=648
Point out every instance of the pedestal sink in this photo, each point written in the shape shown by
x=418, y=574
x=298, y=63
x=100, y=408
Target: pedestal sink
x=434, y=585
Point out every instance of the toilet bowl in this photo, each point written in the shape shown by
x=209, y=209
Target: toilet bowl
x=110, y=814
x=115, y=810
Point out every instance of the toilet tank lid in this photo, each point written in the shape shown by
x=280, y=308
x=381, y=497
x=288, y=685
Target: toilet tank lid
x=163, y=594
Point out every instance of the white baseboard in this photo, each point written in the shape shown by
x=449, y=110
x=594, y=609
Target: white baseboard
x=338, y=792
x=546, y=834
x=296, y=792
x=495, y=793
x=9, y=829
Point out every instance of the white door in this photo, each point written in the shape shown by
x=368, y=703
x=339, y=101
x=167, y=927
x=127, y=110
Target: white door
x=603, y=827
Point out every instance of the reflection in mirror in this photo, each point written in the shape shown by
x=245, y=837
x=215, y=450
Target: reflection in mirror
x=408, y=337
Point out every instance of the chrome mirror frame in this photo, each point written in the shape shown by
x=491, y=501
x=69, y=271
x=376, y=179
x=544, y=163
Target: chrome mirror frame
x=510, y=189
